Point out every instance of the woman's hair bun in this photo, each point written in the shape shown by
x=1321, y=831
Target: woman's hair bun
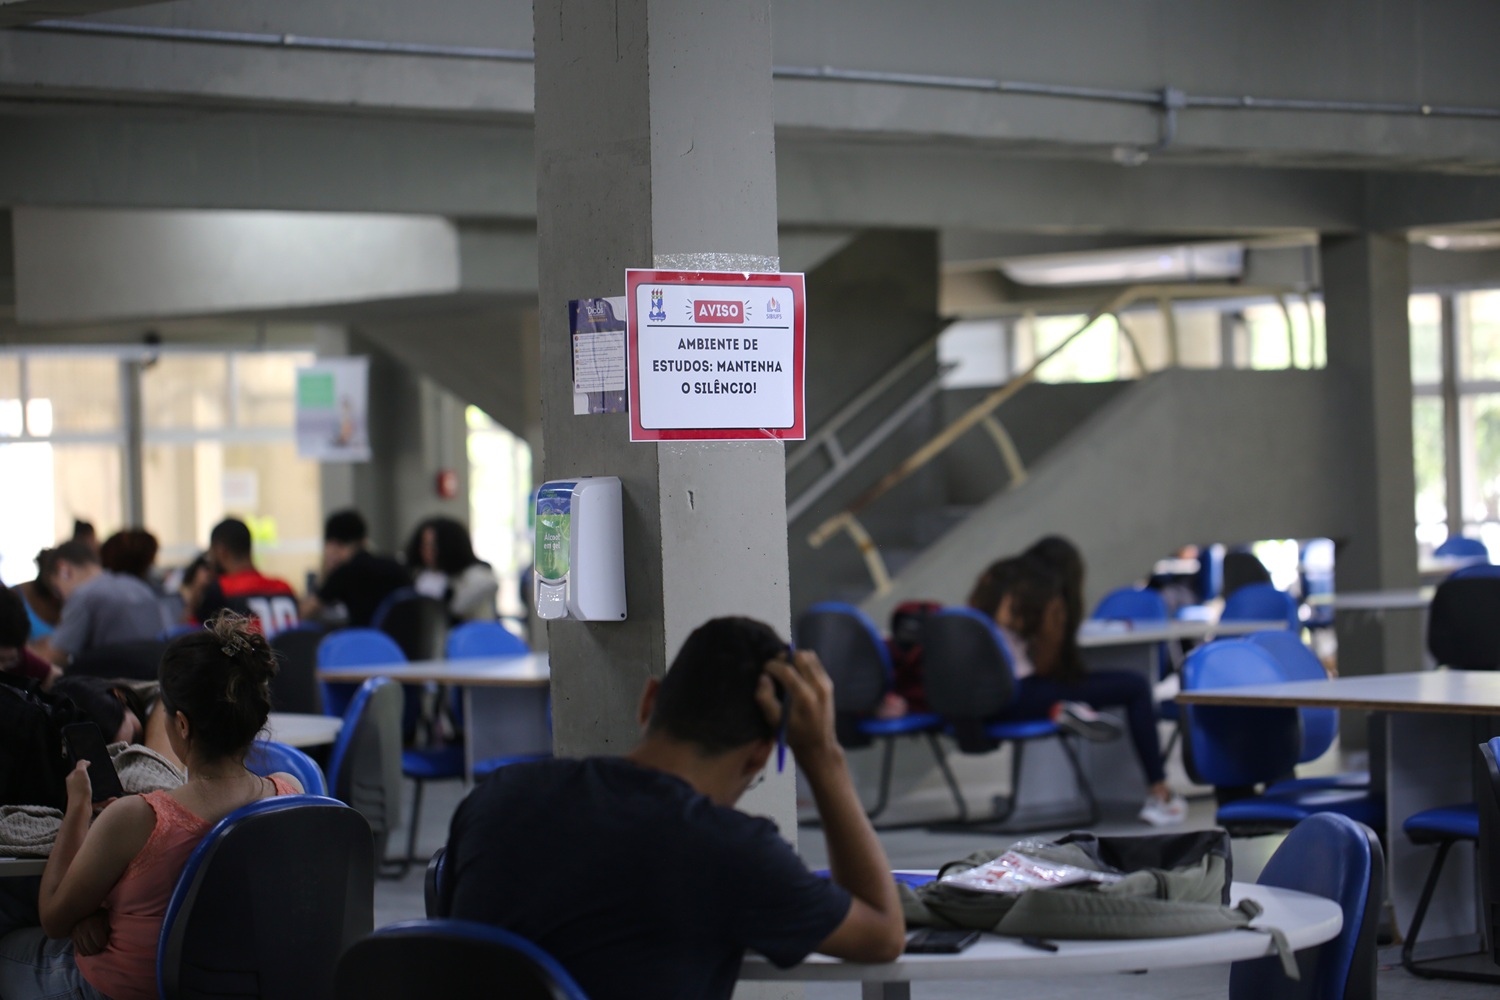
x=241, y=640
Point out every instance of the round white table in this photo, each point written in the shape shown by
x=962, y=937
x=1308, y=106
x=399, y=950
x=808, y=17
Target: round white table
x=1305, y=919
x=302, y=730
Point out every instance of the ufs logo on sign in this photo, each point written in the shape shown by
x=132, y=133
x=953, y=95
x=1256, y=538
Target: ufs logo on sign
x=718, y=311
x=773, y=309
x=658, y=313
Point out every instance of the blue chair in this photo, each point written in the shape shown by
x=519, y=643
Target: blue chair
x=1487, y=791
x=1461, y=629
x=1444, y=826
x=266, y=757
x=437, y=763
x=970, y=681
x=1144, y=605
x=353, y=647
x=1339, y=859
x=1461, y=547
x=1261, y=602
x=419, y=624
x=1232, y=747
x=178, y=630
x=295, y=687
x=859, y=663
x=1478, y=570
x=268, y=901
x=364, y=769
x=453, y=959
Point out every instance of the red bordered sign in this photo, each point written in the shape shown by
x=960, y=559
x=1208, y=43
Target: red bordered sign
x=715, y=355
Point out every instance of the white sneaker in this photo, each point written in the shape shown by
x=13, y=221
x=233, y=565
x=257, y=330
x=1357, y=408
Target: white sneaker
x=1169, y=813
x=1081, y=720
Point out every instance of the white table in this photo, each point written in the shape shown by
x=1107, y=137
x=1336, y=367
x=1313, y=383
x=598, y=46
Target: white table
x=1305, y=919
x=21, y=867
x=1425, y=733
x=1095, y=633
x=505, y=699
x=302, y=730
x=1375, y=600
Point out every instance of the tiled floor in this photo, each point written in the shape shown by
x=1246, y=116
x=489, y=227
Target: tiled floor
x=916, y=848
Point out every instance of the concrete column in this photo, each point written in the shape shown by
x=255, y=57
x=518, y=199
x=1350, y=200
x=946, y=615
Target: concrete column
x=1366, y=283
x=654, y=145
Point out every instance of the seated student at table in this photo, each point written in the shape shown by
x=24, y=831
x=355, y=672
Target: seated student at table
x=15, y=630
x=100, y=608
x=106, y=886
x=638, y=874
x=268, y=601
x=355, y=579
x=43, y=604
x=444, y=567
x=1025, y=597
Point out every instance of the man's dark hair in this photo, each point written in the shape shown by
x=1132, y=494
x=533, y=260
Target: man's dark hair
x=708, y=695
x=15, y=624
x=233, y=535
x=75, y=553
x=346, y=527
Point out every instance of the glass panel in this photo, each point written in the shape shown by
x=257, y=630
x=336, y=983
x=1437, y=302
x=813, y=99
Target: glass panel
x=1479, y=335
x=81, y=392
x=1480, y=448
x=190, y=488
x=87, y=485
x=1271, y=339
x=976, y=350
x=499, y=488
x=265, y=385
x=1198, y=342
x=1150, y=335
x=1093, y=357
x=186, y=391
x=1425, y=317
x=10, y=399
x=1427, y=458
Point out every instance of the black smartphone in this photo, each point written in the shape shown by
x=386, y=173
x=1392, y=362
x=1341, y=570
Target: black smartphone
x=937, y=941
x=85, y=742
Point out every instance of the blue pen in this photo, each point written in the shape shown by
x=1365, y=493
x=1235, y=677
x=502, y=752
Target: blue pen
x=786, y=701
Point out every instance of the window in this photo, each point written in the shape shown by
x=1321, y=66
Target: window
x=499, y=503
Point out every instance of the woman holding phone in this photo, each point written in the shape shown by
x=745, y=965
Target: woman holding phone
x=107, y=883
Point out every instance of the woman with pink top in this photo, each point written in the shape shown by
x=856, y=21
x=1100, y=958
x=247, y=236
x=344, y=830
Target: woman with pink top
x=107, y=883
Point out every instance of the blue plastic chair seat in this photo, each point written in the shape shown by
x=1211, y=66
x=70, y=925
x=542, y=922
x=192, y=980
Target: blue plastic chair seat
x=1355, y=804
x=1444, y=823
x=1030, y=729
x=1351, y=780
x=917, y=722
x=432, y=763
x=482, y=768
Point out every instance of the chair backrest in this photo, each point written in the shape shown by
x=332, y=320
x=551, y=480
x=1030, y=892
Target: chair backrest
x=353, y=647
x=267, y=903
x=1134, y=604
x=139, y=660
x=1261, y=602
x=418, y=624
x=966, y=664
x=1461, y=623
x=267, y=757
x=474, y=639
x=364, y=769
x=295, y=686
x=1462, y=547
x=1320, y=726
x=1476, y=570
x=453, y=959
x=1487, y=794
x=853, y=652
x=1335, y=857
x=1230, y=746
x=435, y=885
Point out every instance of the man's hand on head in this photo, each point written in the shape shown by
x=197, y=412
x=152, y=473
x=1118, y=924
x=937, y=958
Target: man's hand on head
x=809, y=723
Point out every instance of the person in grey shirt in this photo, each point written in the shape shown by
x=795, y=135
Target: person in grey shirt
x=99, y=607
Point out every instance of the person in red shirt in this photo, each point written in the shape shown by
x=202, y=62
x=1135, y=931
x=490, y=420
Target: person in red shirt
x=268, y=601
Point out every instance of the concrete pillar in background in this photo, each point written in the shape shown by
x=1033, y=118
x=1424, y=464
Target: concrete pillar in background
x=1366, y=283
x=654, y=147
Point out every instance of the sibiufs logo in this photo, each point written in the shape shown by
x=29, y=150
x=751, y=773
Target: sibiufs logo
x=773, y=308
x=658, y=313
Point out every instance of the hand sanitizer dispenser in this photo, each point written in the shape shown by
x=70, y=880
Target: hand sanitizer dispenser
x=580, y=551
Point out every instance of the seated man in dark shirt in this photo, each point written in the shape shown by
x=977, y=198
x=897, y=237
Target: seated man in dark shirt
x=638, y=874
x=354, y=578
x=268, y=601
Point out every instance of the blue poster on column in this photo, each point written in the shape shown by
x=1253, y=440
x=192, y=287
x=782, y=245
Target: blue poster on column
x=598, y=355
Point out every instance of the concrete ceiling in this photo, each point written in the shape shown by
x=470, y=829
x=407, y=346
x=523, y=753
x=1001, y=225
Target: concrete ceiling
x=18, y=12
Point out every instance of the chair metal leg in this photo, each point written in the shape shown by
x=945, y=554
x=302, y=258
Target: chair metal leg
x=1019, y=748
x=1172, y=741
x=942, y=763
x=1424, y=968
x=886, y=763
x=416, y=823
x=1082, y=779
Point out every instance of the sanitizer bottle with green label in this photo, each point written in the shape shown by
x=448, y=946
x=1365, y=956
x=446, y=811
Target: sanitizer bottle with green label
x=580, y=552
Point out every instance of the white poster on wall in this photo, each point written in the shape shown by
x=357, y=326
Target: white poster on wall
x=332, y=410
